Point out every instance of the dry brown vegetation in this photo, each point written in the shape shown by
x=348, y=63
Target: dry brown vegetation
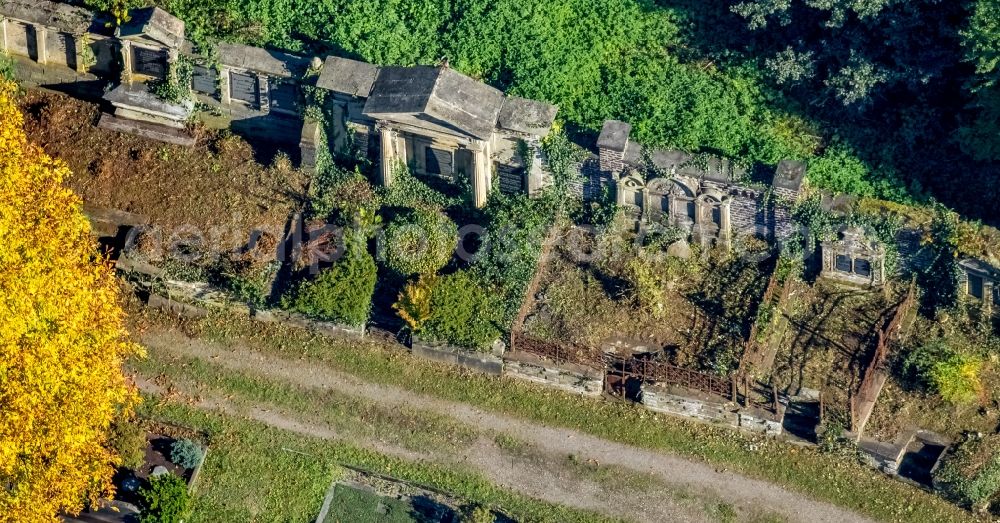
x=217, y=185
x=602, y=290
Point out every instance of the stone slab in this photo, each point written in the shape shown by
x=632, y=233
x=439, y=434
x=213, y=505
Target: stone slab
x=137, y=97
x=181, y=309
x=569, y=377
x=152, y=131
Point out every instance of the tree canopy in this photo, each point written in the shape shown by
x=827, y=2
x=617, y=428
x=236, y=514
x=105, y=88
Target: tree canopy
x=62, y=341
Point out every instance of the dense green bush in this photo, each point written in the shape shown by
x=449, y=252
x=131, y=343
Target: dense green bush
x=165, y=500
x=341, y=293
x=186, y=453
x=939, y=279
x=342, y=196
x=476, y=513
x=940, y=369
x=970, y=473
x=128, y=440
x=420, y=241
x=461, y=313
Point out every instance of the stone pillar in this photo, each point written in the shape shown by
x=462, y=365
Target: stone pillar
x=41, y=39
x=481, y=172
x=611, y=145
x=387, y=162
x=536, y=174
x=80, y=42
x=725, y=223
x=264, y=93
x=6, y=45
x=224, y=95
x=126, y=56
x=988, y=296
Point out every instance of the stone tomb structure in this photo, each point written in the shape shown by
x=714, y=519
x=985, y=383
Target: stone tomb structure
x=149, y=42
x=706, y=196
x=980, y=282
x=434, y=120
x=47, y=33
x=438, y=123
x=854, y=258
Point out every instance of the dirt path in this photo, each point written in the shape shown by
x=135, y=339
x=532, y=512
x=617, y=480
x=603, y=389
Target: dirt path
x=530, y=478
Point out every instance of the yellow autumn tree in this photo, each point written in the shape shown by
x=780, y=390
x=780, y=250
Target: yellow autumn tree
x=62, y=338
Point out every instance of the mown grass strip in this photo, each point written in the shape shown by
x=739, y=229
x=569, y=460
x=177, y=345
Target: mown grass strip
x=347, y=415
x=259, y=473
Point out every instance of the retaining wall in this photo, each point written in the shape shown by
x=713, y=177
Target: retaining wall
x=679, y=401
x=567, y=376
x=478, y=361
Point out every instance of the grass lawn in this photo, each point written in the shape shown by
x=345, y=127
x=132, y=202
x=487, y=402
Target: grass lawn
x=351, y=505
x=257, y=473
x=831, y=478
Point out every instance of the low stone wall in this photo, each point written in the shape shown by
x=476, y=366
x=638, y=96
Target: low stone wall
x=679, y=401
x=760, y=421
x=298, y=320
x=204, y=294
x=478, y=361
x=175, y=307
x=688, y=403
x=566, y=376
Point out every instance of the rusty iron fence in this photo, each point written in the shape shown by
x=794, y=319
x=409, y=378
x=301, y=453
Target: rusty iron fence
x=876, y=373
x=558, y=352
x=652, y=371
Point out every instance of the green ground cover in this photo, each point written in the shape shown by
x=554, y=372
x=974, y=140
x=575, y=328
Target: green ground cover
x=881, y=96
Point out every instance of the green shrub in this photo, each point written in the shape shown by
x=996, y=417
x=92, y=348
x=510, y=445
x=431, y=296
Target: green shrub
x=165, y=500
x=342, y=293
x=476, y=513
x=414, y=302
x=939, y=279
x=128, y=441
x=461, y=313
x=420, y=242
x=343, y=196
x=956, y=378
x=186, y=453
x=7, y=67
x=940, y=369
x=970, y=474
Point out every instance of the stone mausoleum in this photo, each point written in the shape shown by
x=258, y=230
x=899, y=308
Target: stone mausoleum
x=704, y=195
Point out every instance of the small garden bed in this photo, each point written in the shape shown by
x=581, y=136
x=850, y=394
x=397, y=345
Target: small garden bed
x=158, y=461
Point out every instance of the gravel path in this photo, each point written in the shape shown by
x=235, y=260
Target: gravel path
x=530, y=476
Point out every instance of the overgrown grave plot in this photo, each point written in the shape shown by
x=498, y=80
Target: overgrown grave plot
x=209, y=213
x=943, y=378
x=149, y=449
x=832, y=332
x=216, y=188
x=616, y=292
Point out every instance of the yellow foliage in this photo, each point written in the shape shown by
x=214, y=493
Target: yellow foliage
x=414, y=302
x=62, y=338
